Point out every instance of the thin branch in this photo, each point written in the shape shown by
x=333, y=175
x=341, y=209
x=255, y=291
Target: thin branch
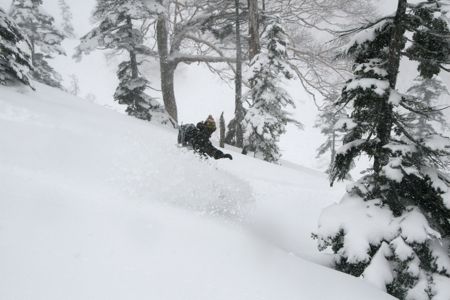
x=178, y=58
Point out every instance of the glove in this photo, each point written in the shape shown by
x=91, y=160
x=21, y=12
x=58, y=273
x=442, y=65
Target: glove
x=228, y=156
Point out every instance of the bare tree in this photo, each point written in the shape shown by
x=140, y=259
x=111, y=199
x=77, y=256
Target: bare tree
x=314, y=60
x=209, y=32
x=181, y=38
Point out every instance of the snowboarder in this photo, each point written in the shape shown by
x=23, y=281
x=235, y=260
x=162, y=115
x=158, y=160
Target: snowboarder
x=198, y=138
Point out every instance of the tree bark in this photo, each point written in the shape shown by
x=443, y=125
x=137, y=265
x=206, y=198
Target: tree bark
x=333, y=147
x=133, y=65
x=385, y=123
x=253, y=28
x=33, y=53
x=133, y=60
x=396, y=44
x=239, y=111
x=167, y=68
x=222, y=131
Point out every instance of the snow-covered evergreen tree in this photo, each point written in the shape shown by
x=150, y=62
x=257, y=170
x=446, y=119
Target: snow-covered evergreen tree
x=44, y=37
x=15, y=52
x=429, y=90
x=118, y=29
x=266, y=119
x=393, y=226
x=66, y=19
x=332, y=121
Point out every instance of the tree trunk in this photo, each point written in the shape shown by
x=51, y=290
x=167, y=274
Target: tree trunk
x=333, y=147
x=385, y=123
x=239, y=111
x=133, y=60
x=33, y=53
x=133, y=65
x=222, y=131
x=396, y=44
x=167, y=69
x=253, y=28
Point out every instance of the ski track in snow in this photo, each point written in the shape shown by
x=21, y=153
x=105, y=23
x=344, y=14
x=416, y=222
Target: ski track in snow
x=97, y=205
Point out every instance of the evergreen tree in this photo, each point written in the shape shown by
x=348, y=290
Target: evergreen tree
x=15, y=53
x=265, y=121
x=429, y=90
x=117, y=29
x=393, y=226
x=230, y=136
x=45, y=39
x=332, y=122
x=67, y=19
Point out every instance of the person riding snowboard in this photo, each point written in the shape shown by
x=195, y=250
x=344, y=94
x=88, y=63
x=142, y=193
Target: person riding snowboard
x=198, y=137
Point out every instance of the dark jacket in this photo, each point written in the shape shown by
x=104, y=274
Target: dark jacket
x=199, y=140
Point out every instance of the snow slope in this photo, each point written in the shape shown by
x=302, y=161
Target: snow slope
x=97, y=205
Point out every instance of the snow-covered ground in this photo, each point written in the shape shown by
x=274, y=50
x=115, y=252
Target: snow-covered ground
x=97, y=205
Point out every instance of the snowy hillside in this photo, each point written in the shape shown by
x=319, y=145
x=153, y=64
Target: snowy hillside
x=98, y=205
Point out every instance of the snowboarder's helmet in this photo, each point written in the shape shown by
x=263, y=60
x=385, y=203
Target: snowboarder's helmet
x=210, y=123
